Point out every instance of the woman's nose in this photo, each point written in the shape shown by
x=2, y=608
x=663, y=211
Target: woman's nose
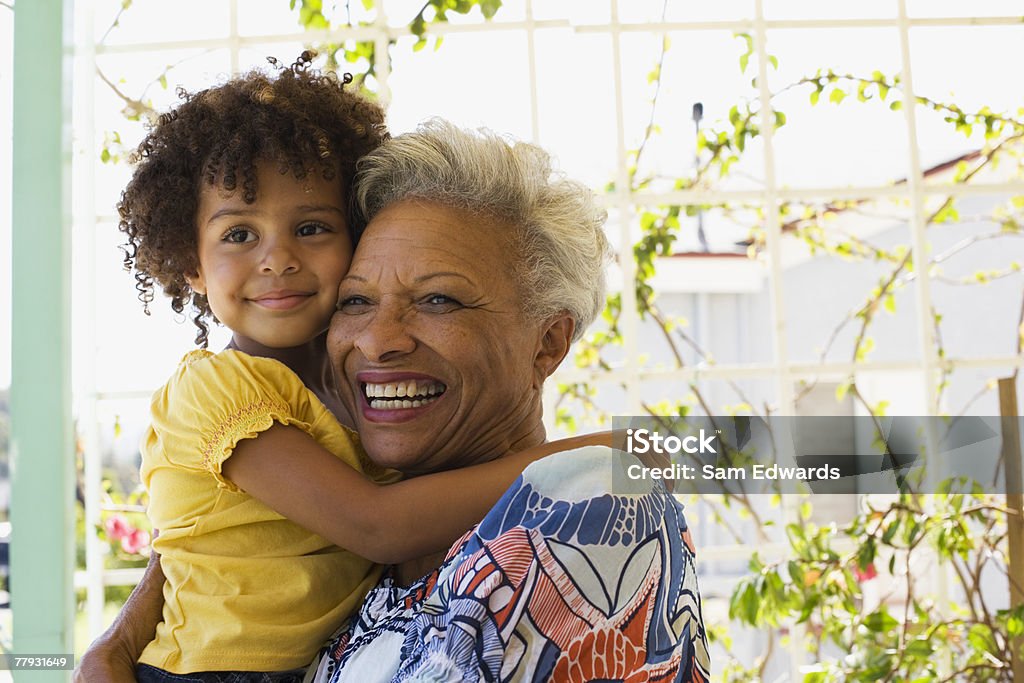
x=386, y=335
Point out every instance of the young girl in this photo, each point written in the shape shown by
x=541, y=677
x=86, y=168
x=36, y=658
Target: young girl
x=238, y=208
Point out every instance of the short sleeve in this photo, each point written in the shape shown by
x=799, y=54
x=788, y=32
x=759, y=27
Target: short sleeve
x=216, y=400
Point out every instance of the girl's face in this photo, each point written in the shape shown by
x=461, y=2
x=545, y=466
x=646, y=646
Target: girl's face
x=271, y=269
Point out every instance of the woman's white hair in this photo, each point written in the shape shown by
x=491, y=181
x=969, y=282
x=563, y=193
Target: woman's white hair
x=558, y=229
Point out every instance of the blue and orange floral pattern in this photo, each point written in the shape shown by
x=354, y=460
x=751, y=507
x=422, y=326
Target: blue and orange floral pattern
x=566, y=579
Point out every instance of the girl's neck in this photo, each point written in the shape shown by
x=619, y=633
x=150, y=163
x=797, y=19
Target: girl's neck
x=302, y=360
x=309, y=361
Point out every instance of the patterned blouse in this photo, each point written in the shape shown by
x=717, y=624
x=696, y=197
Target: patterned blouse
x=567, y=578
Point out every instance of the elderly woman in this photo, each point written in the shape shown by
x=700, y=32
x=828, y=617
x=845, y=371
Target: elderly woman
x=475, y=273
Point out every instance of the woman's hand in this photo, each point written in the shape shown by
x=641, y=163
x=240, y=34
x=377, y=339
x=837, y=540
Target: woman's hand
x=112, y=657
x=108, y=660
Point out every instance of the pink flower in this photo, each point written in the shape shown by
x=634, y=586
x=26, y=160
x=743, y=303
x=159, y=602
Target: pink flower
x=135, y=542
x=117, y=527
x=869, y=572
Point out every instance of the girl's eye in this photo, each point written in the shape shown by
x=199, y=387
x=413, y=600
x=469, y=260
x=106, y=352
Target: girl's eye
x=310, y=229
x=240, y=235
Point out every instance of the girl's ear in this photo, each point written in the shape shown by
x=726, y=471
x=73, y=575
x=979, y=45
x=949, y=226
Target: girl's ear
x=554, y=345
x=197, y=283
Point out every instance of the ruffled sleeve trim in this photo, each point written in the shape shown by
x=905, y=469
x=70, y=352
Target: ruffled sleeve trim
x=247, y=423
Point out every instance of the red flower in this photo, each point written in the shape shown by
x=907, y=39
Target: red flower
x=135, y=542
x=869, y=572
x=117, y=527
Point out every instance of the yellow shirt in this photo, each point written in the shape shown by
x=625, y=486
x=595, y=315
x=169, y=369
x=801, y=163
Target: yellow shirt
x=246, y=589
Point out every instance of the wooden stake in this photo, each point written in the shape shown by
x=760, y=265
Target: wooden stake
x=1011, y=455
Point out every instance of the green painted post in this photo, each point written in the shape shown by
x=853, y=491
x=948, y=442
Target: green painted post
x=42, y=444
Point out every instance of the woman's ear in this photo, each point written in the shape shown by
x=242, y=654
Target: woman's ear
x=554, y=345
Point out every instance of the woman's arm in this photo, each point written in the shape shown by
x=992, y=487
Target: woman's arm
x=386, y=524
x=112, y=657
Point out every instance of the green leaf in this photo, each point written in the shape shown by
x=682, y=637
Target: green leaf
x=489, y=8
x=896, y=105
x=1014, y=626
x=866, y=347
x=418, y=27
x=815, y=94
x=774, y=61
x=920, y=648
x=780, y=119
x=744, y=60
x=980, y=637
x=795, y=573
x=948, y=213
x=866, y=553
x=880, y=621
x=890, y=531
x=163, y=81
x=837, y=96
x=862, y=91
x=419, y=45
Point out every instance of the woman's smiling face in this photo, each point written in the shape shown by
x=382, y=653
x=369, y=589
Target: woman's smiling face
x=441, y=368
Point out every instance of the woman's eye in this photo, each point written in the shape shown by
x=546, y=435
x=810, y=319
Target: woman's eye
x=441, y=300
x=352, y=303
x=310, y=229
x=239, y=235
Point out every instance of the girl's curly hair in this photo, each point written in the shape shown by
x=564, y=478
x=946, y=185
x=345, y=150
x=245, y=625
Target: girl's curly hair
x=302, y=120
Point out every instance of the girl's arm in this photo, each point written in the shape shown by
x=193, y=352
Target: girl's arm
x=386, y=524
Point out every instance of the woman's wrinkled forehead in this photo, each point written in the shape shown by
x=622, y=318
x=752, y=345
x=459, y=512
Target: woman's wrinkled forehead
x=418, y=238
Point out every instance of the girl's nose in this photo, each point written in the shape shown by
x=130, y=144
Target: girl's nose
x=280, y=259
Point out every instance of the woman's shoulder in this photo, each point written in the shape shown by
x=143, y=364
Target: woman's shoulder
x=583, y=496
x=585, y=473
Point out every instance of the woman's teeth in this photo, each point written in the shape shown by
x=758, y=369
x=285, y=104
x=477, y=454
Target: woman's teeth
x=408, y=394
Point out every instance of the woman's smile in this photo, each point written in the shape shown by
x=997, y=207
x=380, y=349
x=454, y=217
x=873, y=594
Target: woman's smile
x=397, y=397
